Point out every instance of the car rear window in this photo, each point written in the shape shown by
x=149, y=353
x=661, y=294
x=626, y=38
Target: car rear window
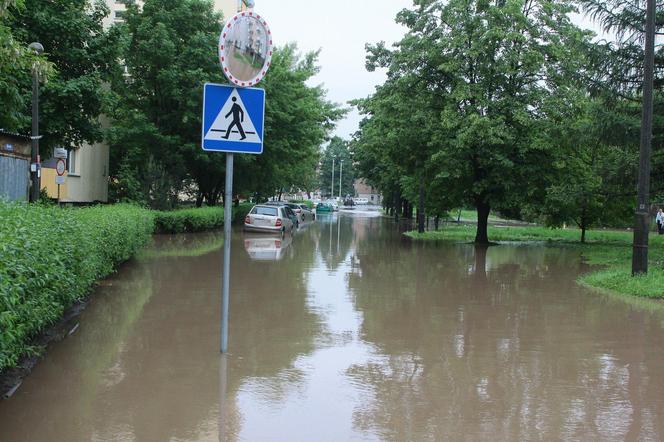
x=270, y=211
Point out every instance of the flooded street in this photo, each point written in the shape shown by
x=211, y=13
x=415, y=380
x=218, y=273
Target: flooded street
x=347, y=331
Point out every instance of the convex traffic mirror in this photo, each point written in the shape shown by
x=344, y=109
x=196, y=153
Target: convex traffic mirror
x=245, y=49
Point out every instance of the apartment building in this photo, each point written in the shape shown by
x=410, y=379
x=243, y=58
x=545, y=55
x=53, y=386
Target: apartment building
x=118, y=8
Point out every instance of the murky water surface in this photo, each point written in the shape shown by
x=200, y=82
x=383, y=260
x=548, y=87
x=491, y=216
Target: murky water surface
x=346, y=331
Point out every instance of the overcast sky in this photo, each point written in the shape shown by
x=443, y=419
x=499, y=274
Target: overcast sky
x=340, y=29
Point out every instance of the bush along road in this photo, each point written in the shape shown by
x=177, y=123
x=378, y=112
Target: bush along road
x=50, y=258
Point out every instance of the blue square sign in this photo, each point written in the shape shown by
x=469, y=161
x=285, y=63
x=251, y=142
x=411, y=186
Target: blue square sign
x=233, y=119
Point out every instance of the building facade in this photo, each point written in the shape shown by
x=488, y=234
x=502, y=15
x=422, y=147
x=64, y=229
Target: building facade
x=368, y=192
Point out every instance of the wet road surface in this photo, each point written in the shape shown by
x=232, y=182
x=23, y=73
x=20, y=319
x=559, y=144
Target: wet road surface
x=347, y=331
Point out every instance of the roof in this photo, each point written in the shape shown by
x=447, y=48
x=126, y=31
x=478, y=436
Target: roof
x=13, y=134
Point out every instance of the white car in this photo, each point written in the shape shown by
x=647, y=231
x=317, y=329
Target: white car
x=263, y=218
x=334, y=204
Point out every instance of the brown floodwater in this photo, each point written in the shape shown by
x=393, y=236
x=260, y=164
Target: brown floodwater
x=347, y=331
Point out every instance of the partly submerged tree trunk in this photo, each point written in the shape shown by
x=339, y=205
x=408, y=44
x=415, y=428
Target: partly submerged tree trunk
x=483, y=209
x=480, y=262
x=420, y=207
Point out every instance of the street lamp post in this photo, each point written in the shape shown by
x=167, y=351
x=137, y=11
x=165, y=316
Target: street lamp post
x=642, y=216
x=332, y=191
x=34, y=166
x=341, y=171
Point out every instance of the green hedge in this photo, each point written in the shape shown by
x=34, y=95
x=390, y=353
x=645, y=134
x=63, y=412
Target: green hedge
x=197, y=219
x=50, y=257
x=308, y=203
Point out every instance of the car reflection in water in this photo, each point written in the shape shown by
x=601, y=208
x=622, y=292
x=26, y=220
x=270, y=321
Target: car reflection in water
x=266, y=248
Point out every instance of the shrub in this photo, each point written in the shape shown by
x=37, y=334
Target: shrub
x=308, y=203
x=240, y=212
x=197, y=219
x=189, y=220
x=50, y=258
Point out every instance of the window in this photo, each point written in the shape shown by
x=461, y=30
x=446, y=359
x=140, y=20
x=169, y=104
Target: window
x=270, y=211
x=71, y=162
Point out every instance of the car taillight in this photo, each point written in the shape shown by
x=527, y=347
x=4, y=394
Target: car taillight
x=278, y=223
x=247, y=219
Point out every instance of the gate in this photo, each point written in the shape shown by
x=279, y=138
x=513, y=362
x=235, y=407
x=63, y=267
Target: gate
x=14, y=178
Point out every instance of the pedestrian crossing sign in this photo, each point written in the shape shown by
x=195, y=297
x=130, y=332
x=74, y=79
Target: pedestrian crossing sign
x=233, y=119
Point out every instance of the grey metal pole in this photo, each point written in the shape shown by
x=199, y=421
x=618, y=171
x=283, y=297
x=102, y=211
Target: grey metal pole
x=223, y=402
x=341, y=171
x=228, y=208
x=642, y=215
x=332, y=191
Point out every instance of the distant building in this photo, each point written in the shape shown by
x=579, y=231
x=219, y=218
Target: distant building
x=14, y=166
x=368, y=192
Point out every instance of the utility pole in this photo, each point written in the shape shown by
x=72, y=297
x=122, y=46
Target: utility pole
x=35, y=187
x=642, y=216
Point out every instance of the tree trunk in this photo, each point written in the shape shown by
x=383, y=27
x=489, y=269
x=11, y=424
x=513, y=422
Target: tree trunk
x=583, y=224
x=397, y=205
x=420, y=207
x=436, y=221
x=199, y=199
x=483, y=209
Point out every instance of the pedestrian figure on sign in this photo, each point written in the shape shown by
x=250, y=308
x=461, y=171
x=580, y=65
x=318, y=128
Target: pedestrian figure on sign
x=238, y=118
x=660, y=221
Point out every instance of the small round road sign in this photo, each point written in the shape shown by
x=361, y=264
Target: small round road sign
x=245, y=49
x=60, y=167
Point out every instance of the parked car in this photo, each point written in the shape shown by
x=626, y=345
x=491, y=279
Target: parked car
x=333, y=203
x=269, y=218
x=324, y=208
x=290, y=212
x=292, y=215
x=298, y=211
x=307, y=213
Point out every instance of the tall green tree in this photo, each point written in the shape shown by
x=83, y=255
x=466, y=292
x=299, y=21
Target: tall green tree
x=169, y=54
x=298, y=119
x=593, y=174
x=169, y=48
x=15, y=62
x=619, y=70
x=492, y=65
x=83, y=55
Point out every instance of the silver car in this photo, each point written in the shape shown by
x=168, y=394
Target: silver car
x=264, y=218
x=306, y=213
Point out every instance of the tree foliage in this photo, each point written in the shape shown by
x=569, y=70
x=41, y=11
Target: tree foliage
x=481, y=74
x=169, y=53
x=83, y=55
